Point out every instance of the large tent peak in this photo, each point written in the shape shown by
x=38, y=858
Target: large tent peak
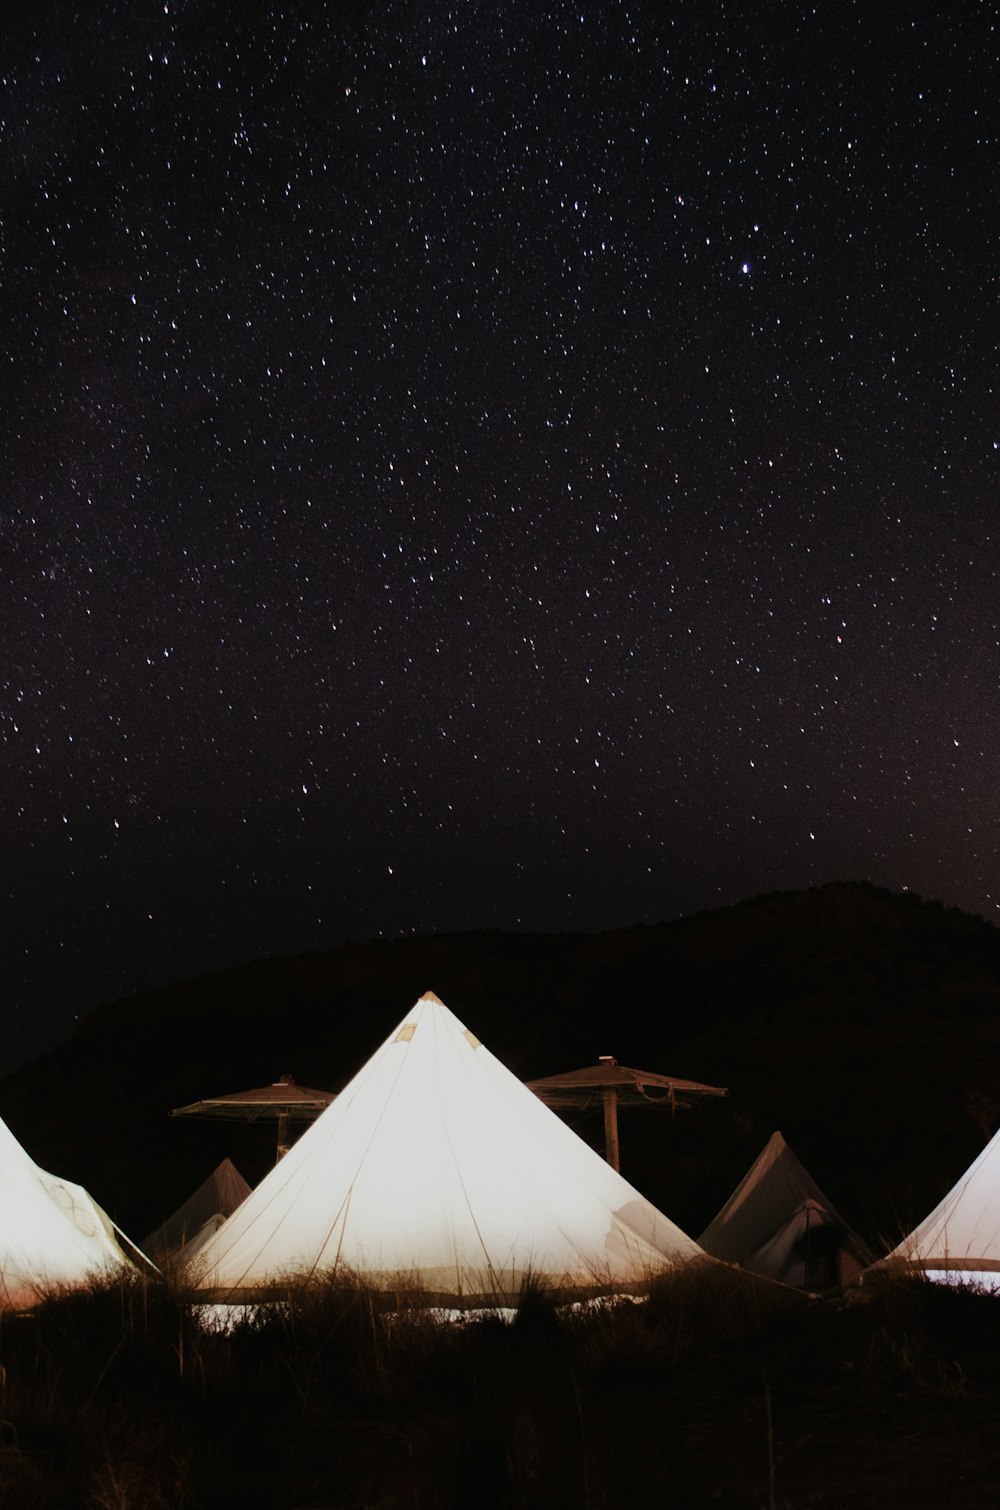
x=436, y=1168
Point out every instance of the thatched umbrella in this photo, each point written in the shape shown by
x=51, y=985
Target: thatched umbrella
x=613, y=1085
x=283, y=1101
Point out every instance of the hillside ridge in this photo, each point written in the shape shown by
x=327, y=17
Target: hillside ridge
x=862, y=1022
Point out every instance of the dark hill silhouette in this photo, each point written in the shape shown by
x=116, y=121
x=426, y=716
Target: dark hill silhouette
x=864, y=1024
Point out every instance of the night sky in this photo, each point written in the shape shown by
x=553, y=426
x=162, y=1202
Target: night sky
x=522, y=465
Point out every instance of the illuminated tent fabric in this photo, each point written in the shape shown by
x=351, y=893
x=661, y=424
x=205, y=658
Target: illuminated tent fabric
x=778, y=1223
x=960, y=1240
x=184, y=1233
x=52, y=1234
x=436, y=1167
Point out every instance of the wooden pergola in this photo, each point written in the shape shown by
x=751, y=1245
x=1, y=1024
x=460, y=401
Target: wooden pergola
x=611, y=1085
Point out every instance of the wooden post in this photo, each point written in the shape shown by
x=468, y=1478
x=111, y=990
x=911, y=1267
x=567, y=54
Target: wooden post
x=283, y=1140
x=610, y=1098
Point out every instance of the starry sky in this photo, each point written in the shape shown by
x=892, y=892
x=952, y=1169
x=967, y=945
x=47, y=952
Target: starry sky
x=511, y=465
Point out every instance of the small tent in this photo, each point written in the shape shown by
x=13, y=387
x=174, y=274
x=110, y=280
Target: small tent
x=53, y=1236
x=960, y=1241
x=184, y=1233
x=435, y=1168
x=778, y=1223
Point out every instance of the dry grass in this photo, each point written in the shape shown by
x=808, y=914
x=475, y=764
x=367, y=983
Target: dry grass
x=717, y=1389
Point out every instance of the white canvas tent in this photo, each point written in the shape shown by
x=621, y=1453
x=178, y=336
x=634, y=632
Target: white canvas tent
x=187, y=1231
x=52, y=1234
x=778, y=1223
x=960, y=1241
x=436, y=1168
